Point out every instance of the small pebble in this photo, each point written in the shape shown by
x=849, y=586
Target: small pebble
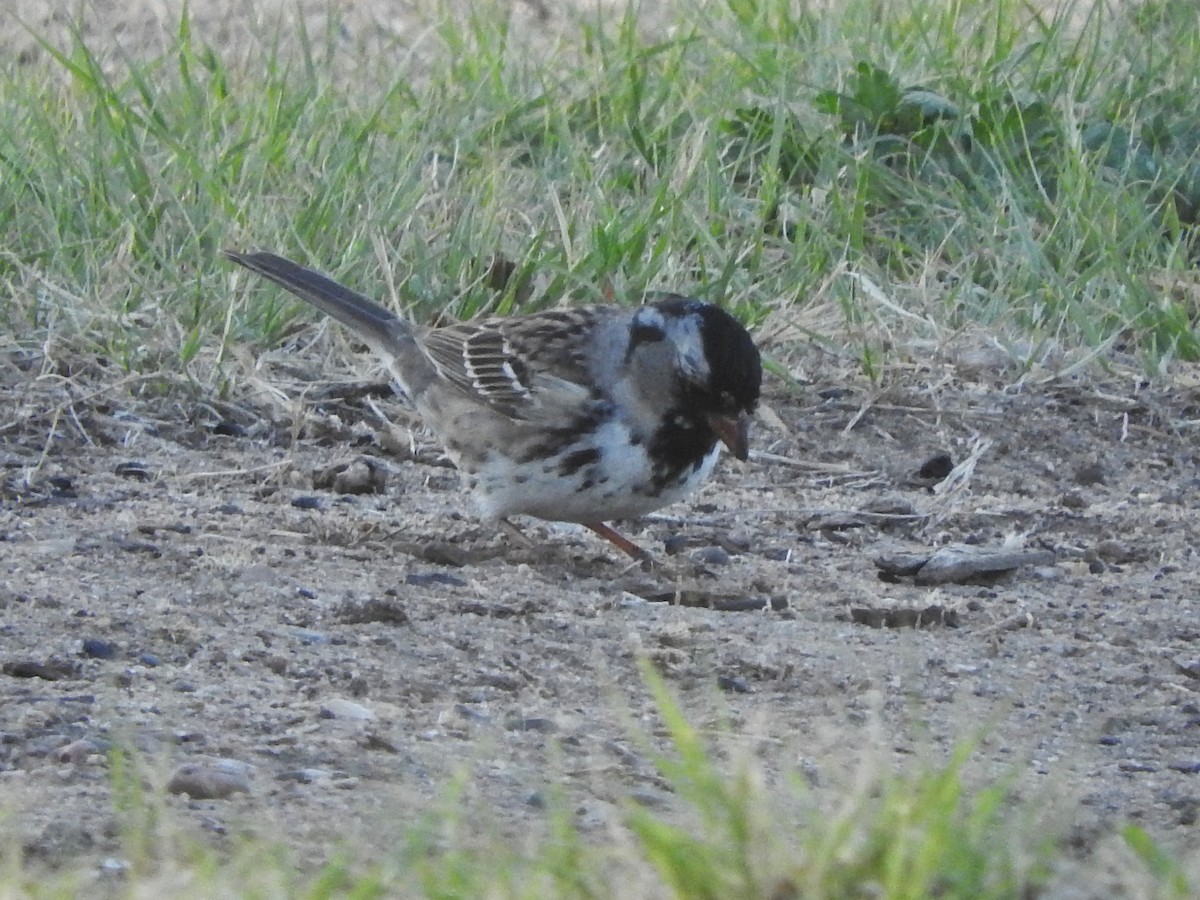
x=76, y=752
x=1132, y=765
x=95, y=648
x=898, y=507
x=209, y=781
x=1115, y=551
x=529, y=723
x=1188, y=667
x=138, y=547
x=471, y=715
x=310, y=637
x=303, y=776
x=1090, y=474
x=306, y=502
x=228, y=428
x=216, y=826
x=711, y=556
x=52, y=670
x=835, y=393
x=733, y=684
x=381, y=742
x=347, y=710
x=360, y=476
x=374, y=609
x=937, y=467
x=134, y=469
x=734, y=542
x=62, y=483
x=675, y=544
x=650, y=798
x=425, y=579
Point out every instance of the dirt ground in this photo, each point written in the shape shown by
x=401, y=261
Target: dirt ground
x=174, y=582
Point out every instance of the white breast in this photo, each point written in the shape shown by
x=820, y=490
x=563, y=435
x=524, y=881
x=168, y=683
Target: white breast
x=619, y=484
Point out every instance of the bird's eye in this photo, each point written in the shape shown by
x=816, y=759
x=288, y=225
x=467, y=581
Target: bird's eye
x=644, y=333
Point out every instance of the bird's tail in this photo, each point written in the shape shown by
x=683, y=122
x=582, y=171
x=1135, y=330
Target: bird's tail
x=387, y=334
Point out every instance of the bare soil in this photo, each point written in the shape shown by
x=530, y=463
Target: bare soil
x=173, y=583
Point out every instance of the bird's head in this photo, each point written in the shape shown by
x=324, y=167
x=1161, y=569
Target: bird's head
x=702, y=366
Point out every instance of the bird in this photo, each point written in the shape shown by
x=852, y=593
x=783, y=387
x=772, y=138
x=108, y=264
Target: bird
x=582, y=414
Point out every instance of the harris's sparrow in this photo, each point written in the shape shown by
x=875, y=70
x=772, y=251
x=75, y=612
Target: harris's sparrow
x=573, y=415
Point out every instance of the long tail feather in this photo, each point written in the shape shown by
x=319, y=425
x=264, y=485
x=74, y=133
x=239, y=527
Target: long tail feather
x=384, y=331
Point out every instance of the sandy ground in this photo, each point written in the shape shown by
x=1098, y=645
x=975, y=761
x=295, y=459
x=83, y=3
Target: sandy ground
x=172, y=581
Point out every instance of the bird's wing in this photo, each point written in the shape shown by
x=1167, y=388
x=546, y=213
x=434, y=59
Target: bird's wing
x=525, y=368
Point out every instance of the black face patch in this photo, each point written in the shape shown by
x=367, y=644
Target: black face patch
x=643, y=333
x=679, y=446
x=735, y=365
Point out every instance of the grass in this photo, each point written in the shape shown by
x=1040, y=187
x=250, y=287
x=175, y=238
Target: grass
x=980, y=164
